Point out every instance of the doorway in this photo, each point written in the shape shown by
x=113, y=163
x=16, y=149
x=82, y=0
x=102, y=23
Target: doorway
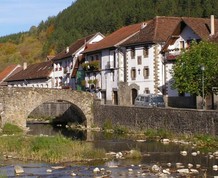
x=115, y=97
x=134, y=95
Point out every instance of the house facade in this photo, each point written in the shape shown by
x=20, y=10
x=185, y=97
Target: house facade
x=65, y=62
x=151, y=53
x=141, y=63
x=107, y=54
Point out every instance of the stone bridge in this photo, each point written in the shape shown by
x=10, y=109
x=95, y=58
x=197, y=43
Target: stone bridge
x=17, y=103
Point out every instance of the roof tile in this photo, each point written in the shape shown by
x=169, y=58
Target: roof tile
x=114, y=38
x=73, y=48
x=34, y=71
x=9, y=71
x=161, y=27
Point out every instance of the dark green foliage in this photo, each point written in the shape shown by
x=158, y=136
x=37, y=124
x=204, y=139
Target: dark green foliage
x=187, y=71
x=85, y=17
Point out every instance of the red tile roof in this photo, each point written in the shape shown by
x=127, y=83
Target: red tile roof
x=114, y=38
x=34, y=71
x=9, y=71
x=161, y=27
x=73, y=48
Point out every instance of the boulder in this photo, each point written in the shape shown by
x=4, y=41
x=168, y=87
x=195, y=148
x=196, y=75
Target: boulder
x=18, y=169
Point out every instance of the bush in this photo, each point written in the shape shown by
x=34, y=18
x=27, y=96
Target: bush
x=120, y=130
x=107, y=125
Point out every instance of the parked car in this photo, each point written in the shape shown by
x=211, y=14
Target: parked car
x=149, y=100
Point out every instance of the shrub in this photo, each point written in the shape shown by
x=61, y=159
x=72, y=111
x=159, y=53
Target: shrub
x=107, y=125
x=120, y=130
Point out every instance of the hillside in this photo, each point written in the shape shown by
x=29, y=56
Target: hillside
x=85, y=17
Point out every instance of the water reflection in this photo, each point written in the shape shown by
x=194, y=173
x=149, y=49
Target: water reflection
x=51, y=130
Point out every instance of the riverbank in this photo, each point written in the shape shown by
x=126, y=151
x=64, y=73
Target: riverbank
x=58, y=149
x=48, y=149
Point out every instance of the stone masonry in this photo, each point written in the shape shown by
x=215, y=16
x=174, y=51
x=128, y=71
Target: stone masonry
x=18, y=103
x=177, y=120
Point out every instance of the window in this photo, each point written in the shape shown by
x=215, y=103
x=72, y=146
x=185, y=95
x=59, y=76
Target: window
x=139, y=59
x=133, y=73
x=133, y=53
x=145, y=51
x=146, y=72
x=147, y=91
x=182, y=45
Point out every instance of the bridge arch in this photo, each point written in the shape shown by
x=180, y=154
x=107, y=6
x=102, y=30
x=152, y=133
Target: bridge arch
x=61, y=111
x=18, y=103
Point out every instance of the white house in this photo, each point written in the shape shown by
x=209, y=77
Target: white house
x=187, y=30
x=107, y=54
x=150, y=55
x=138, y=59
x=64, y=62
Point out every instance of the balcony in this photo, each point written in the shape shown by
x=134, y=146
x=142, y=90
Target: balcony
x=91, y=66
x=172, y=55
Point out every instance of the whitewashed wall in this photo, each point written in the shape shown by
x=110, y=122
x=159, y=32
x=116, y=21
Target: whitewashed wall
x=186, y=35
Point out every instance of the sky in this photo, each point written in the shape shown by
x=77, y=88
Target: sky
x=20, y=15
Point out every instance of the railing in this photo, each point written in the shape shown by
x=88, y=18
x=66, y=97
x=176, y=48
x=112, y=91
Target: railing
x=172, y=55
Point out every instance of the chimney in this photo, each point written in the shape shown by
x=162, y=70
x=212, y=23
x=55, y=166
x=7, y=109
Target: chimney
x=24, y=65
x=67, y=50
x=212, y=30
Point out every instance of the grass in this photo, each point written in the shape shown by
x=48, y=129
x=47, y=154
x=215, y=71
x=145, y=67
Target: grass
x=107, y=125
x=49, y=149
x=134, y=154
x=204, y=141
x=11, y=129
x=159, y=133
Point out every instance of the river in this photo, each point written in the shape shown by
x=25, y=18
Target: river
x=167, y=157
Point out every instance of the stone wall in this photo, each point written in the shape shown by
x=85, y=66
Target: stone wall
x=176, y=120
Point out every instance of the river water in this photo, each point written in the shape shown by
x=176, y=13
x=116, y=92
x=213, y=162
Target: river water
x=154, y=153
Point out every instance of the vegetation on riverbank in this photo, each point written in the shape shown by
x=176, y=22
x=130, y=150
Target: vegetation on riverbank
x=14, y=143
x=204, y=141
x=43, y=148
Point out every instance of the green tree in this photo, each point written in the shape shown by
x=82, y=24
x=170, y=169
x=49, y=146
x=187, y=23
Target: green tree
x=188, y=73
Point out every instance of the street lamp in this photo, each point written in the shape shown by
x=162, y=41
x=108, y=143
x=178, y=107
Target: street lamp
x=203, y=103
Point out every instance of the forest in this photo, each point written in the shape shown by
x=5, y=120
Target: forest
x=85, y=17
